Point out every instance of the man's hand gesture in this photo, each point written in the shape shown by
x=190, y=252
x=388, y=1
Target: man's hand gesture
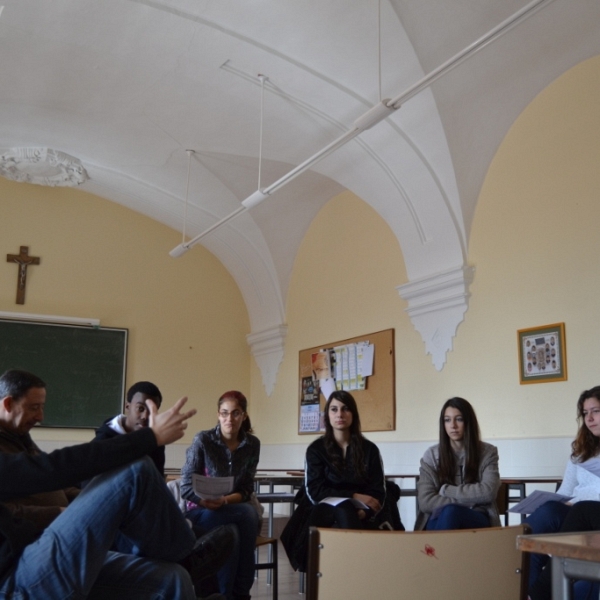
x=170, y=425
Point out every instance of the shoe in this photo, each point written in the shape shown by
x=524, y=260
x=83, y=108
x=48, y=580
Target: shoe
x=210, y=552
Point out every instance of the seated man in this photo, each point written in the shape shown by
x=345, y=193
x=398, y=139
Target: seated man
x=127, y=506
x=136, y=416
x=20, y=409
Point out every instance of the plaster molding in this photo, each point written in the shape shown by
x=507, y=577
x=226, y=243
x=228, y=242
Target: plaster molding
x=42, y=166
x=267, y=347
x=437, y=306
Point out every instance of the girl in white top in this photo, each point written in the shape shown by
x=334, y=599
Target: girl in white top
x=579, y=480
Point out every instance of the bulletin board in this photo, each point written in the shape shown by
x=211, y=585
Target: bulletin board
x=376, y=403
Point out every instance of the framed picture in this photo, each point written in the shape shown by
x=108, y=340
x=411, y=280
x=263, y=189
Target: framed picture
x=542, y=354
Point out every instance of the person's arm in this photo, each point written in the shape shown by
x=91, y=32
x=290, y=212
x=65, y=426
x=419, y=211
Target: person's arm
x=374, y=493
x=71, y=493
x=483, y=491
x=569, y=481
x=428, y=486
x=24, y=475
x=317, y=466
x=245, y=462
x=194, y=463
x=40, y=516
x=244, y=486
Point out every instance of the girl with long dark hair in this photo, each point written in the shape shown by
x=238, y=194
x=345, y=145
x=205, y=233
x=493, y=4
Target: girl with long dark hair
x=459, y=477
x=343, y=464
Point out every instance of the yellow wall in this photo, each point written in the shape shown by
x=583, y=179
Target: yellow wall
x=186, y=318
x=534, y=245
x=536, y=250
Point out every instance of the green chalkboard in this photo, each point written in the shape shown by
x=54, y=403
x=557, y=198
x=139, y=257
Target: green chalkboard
x=83, y=367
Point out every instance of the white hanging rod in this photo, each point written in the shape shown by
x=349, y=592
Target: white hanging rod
x=373, y=116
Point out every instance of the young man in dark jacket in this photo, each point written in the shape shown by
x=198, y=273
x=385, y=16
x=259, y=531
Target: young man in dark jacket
x=136, y=415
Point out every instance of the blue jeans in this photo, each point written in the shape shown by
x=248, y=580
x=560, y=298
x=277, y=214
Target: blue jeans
x=129, y=508
x=237, y=575
x=454, y=516
x=548, y=518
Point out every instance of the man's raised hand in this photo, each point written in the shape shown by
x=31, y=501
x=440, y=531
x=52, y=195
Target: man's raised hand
x=169, y=426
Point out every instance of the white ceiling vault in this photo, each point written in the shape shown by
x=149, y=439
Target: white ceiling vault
x=126, y=86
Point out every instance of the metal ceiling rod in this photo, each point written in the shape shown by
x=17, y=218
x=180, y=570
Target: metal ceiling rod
x=373, y=116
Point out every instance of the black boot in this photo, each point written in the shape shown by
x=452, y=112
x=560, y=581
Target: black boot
x=210, y=552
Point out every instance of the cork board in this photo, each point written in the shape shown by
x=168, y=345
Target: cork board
x=376, y=403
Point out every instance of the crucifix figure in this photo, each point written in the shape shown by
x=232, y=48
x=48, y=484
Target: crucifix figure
x=23, y=260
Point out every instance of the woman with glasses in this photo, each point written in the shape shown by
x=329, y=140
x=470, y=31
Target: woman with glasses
x=227, y=450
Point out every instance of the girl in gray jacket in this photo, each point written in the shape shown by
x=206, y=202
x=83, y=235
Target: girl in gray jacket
x=458, y=478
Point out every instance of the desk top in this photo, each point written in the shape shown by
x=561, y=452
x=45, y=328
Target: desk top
x=581, y=546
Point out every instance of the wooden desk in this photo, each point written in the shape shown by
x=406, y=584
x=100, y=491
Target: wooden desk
x=574, y=556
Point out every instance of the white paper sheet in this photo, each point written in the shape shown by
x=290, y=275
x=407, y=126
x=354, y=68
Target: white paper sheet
x=211, y=488
x=535, y=500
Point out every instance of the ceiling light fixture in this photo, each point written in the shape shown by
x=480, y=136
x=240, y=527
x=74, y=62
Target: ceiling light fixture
x=373, y=116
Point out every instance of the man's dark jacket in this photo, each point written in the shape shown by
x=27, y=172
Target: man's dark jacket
x=23, y=475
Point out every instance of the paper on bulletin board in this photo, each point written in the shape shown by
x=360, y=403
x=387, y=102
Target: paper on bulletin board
x=310, y=418
x=353, y=363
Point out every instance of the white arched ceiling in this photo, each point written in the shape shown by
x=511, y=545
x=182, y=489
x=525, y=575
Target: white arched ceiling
x=127, y=86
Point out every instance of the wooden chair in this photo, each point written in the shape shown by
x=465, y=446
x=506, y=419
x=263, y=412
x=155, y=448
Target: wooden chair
x=270, y=564
x=502, y=502
x=469, y=564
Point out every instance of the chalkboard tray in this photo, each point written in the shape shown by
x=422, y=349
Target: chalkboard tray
x=83, y=367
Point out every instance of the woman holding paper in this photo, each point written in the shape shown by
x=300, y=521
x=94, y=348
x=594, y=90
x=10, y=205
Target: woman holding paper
x=459, y=477
x=581, y=480
x=228, y=450
x=344, y=471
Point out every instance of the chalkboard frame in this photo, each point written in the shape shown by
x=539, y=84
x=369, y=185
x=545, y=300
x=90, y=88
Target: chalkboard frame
x=73, y=402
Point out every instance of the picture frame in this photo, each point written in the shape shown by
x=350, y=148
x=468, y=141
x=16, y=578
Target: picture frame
x=542, y=354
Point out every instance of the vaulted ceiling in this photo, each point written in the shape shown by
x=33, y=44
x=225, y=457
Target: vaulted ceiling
x=126, y=86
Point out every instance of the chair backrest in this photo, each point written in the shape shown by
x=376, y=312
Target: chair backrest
x=466, y=564
x=502, y=499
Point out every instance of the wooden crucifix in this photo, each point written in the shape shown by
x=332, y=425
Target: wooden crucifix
x=23, y=260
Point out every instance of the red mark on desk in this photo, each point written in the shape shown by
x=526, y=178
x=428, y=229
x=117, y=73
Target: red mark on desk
x=429, y=551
